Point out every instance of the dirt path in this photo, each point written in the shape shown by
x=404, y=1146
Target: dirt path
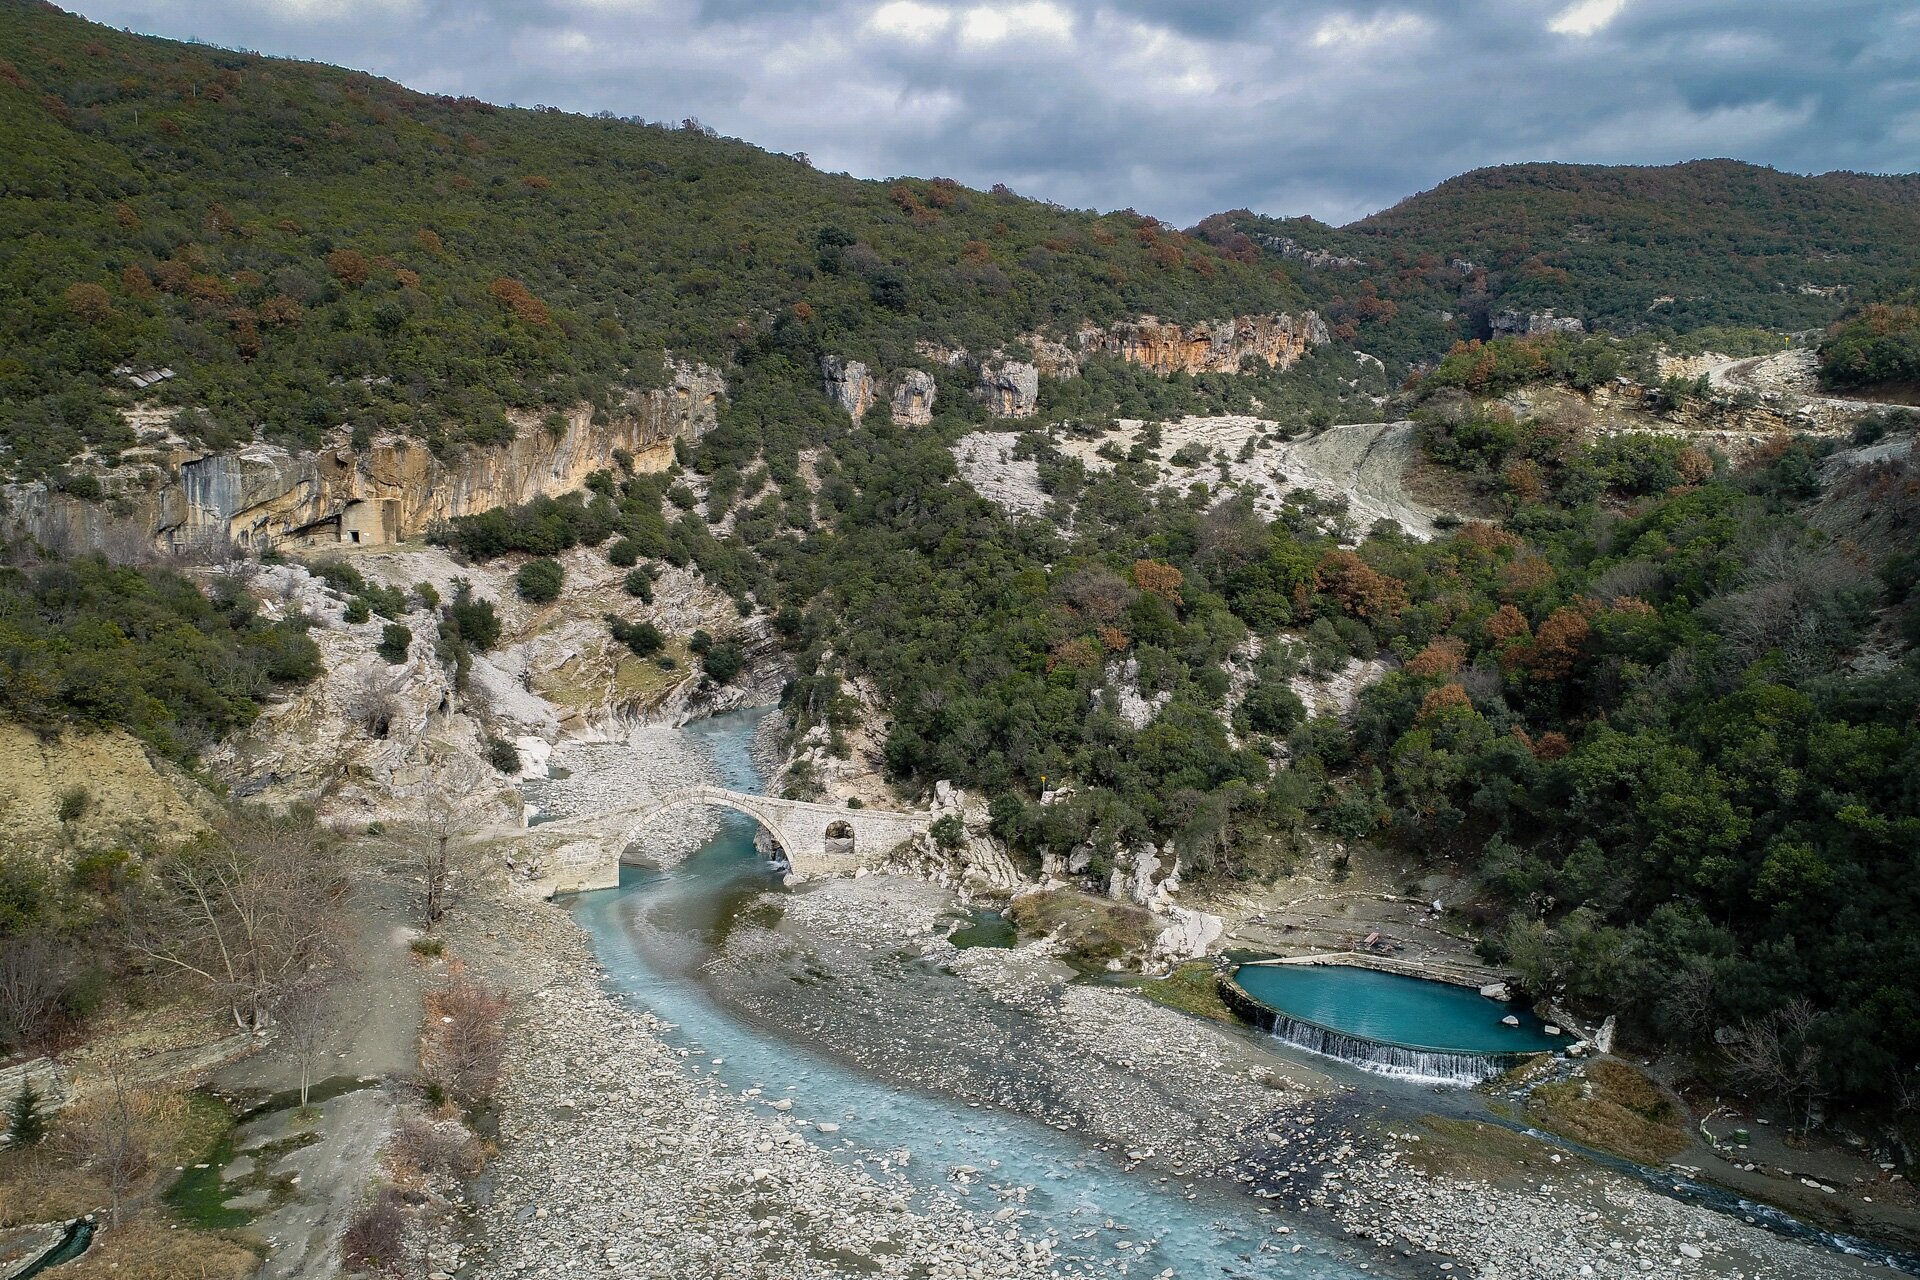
x=371, y=1028
x=1786, y=379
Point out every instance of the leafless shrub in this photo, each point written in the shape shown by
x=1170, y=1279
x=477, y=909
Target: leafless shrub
x=373, y=707
x=423, y=1147
x=1632, y=578
x=125, y=541
x=1688, y=1002
x=375, y=1238
x=1448, y=406
x=1483, y=681
x=1098, y=592
x=32, y=975
x=464, y=1041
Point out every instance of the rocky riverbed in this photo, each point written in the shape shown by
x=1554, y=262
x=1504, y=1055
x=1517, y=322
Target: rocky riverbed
x=633, y=1146
x=862, y=969
x=623, y=1156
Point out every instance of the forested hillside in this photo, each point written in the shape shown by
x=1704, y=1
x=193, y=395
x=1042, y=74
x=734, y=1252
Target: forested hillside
x=308, y=247
x=1681, y=247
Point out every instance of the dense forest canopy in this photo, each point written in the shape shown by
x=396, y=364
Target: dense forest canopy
x=1875, y=348
x=1679, y=248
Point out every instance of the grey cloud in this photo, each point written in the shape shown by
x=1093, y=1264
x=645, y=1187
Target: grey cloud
x=1175, y=107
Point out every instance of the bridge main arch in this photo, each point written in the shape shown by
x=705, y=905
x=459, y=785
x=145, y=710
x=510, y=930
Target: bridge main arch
x=715, y=796
x=584, y=852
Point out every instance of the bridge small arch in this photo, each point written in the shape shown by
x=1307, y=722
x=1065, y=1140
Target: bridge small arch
x=839, y=838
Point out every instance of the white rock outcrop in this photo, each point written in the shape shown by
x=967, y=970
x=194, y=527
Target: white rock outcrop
x=1011, y=388
x=912, y=399
x=1189, y=934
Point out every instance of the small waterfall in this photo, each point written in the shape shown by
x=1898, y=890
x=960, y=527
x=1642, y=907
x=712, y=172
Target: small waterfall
x=1403, y=1062
x=1437, y=1066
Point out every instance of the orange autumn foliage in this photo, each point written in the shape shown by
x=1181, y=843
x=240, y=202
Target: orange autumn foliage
x=1507, y=626
x=349, y=267
x=1362, y=591
x=1442, y=657
x=1157, y=578
x=1438, y=702
x=1557, y=646
x=513, y=295
x=1525, y=573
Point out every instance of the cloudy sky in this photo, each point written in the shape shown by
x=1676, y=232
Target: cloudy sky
x=1176, y=107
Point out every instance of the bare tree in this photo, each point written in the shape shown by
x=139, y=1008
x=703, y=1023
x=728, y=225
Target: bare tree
x=249, y=910
x=303, y=1013
x=32, y=977
x=1906, y=1090
x=1689, y=1000
x=435, y=845
x=1777, y=1055
x=436, y=863
x=117, y=1130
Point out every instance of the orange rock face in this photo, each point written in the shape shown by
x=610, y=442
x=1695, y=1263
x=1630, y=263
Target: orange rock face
x=1218, y=346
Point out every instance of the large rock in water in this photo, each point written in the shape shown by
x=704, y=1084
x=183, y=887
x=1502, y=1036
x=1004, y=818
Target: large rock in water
x=848, y=383
x=1011, y=389
x=913, y=399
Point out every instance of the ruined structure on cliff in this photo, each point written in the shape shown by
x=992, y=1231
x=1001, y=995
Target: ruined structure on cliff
x=392, y=490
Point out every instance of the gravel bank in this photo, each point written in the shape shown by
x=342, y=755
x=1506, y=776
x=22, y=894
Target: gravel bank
x=862, y=969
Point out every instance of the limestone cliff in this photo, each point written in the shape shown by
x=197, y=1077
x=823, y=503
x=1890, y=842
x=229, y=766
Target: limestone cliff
x=390, y=491
x=1011, y=388
x=1524, y=324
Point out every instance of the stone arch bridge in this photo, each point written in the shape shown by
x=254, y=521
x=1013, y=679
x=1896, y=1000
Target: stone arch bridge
x=584, y=852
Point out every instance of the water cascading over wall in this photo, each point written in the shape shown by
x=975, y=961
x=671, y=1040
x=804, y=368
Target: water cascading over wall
x=1403, y=1062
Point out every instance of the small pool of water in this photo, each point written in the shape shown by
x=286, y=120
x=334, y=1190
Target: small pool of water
x=985, y=928
x=1414, y=1013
